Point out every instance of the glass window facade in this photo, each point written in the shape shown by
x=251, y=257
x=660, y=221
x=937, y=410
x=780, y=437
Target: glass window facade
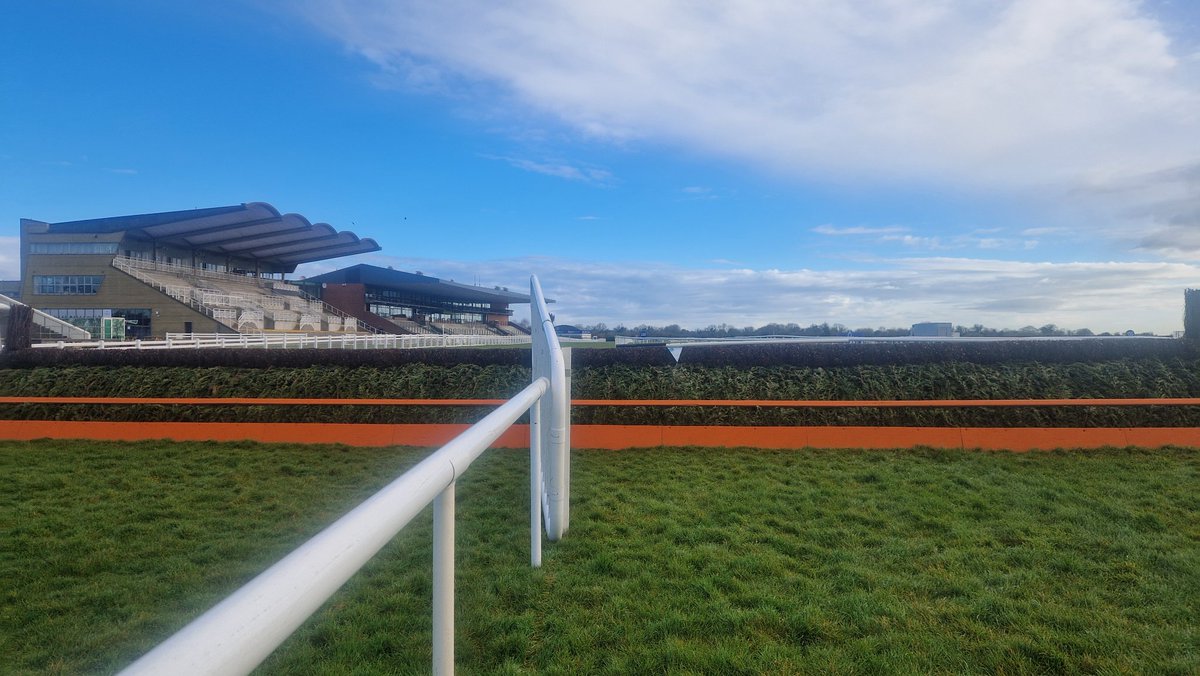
x=137, y=320
x=67, y=285
x=73, y=247
x=394, y=303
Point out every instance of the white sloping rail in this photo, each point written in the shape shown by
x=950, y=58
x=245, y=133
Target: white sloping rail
x=238, y=633
x=49, y=322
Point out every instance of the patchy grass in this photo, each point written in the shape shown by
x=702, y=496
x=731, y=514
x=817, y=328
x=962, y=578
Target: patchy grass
x=678, y=560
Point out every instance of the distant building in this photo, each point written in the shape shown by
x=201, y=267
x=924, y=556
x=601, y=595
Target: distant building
x=569, y=331
x=933, y=330
x=403, y=302
x=223, y=270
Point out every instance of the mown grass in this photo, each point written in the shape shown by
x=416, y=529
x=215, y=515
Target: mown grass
x=678, y=560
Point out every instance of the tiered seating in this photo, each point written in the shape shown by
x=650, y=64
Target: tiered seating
x=409, y=325
x=250, y=320
x=243, y=302
x=456, y=329
x=284, y=320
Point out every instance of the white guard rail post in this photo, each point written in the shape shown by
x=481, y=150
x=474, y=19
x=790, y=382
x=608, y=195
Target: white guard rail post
x=553, y=416
x=237, y=634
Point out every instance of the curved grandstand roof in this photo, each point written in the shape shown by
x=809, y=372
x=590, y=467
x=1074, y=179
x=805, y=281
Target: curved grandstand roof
x=255, y=230
x=373, y=275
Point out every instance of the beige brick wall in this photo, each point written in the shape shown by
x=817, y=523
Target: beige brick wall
x=119, y=290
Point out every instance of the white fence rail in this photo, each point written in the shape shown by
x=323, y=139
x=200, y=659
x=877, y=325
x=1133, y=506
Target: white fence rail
x=293, y=340
x=48, y=322
x=237, y=634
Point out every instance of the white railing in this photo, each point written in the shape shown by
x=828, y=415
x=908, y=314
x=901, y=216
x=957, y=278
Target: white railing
x=175, y=341
x=238, y=633
x=48, y=322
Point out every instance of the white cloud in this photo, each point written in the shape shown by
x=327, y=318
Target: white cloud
x=10, y=259
x=1021, y=93
x=1101, y=296
x=1084, y=106
x=915, y=241
x=835, y=231
x=1157, y=213
x=562, y=170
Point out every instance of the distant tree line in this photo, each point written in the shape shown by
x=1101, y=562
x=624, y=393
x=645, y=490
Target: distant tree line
x=602, y=330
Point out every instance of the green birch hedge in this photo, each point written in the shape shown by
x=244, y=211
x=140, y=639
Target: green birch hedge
x=599, y=374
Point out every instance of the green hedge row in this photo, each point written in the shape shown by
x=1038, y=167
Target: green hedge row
x=1172, y=377
x=1122, y=378
x=1099, y=416
x=410, y=381
x=741, y=356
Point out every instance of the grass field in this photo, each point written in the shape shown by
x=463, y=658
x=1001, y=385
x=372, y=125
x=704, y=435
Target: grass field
x=678, y=560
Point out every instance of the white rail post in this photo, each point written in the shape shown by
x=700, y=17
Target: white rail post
x=535, y=483
x=566, y=433
x=443, y=581
x=555, y=414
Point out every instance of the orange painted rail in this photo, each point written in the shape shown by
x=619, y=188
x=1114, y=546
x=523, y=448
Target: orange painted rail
x=760, y=403
x=616, y=437
x=612, y=436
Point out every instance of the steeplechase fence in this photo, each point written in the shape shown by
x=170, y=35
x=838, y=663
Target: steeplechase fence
x=616, y=436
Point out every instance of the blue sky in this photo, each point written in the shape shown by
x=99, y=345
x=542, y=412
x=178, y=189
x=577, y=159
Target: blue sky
x=875, y=163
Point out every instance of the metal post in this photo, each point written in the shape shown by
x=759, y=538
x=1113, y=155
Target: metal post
x=443, y=581
x=566, y=505
x=535, y=485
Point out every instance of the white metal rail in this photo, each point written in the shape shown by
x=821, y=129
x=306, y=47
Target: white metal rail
x=238, y=633
x=293, y=340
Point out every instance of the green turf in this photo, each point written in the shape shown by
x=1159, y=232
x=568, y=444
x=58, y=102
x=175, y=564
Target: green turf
x=678, y=560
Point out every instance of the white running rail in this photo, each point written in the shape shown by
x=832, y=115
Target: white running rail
x=238, y=633
x=176, y=341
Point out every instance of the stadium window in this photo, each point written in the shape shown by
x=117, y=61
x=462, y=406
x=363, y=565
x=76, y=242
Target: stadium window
x=73, y=248
x=88, y=319
x=137, y=321
x=67, y=285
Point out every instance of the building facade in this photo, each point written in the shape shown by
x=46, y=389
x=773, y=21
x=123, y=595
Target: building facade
x=402, y=299
x=172, y=271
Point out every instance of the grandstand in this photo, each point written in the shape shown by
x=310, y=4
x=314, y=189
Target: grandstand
x=403, y=302
x=224, y=270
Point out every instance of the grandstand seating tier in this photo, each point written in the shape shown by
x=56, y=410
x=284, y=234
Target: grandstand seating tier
x=241, y=302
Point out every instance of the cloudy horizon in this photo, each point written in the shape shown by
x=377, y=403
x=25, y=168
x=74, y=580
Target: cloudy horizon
x=871, y=164
x=997, y=294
